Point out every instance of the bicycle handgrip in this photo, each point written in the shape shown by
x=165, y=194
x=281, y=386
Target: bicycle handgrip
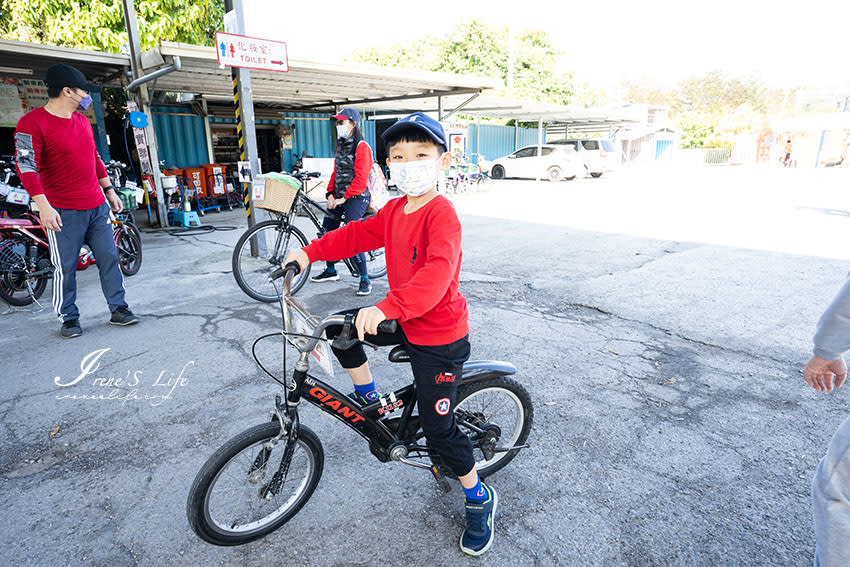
x=388, y=326
x=280, y=272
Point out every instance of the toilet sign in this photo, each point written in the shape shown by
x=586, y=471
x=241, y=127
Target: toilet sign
x=251, y=52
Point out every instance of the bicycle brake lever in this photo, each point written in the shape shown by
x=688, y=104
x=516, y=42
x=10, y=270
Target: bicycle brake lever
x=367, y=343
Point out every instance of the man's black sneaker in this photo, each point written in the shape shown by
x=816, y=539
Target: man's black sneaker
x=325, y=276
x=71, y=329
x=360, y=399
x=365, y=287
x=123, y=316
x=480, y=524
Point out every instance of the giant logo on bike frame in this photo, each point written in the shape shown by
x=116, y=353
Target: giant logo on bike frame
x=443, y=406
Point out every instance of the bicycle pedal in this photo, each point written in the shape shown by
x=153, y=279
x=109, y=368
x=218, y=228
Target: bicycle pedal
x=442, y=481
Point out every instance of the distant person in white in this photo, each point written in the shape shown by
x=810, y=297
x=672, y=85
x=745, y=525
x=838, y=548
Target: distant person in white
x=831, y=485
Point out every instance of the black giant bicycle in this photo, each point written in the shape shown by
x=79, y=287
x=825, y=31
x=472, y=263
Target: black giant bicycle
x=261, y=478
x=263, y=247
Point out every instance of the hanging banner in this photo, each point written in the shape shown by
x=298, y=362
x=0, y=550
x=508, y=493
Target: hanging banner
x=141, y=143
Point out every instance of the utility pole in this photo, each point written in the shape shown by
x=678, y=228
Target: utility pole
x=143, y=100
x=243, y=99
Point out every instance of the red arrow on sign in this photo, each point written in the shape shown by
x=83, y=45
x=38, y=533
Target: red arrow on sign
x=277, y=62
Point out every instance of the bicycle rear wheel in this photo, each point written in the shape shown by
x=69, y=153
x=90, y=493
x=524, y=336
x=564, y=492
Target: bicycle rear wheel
x=226, y=504
x=501, y=408
x=252, y=269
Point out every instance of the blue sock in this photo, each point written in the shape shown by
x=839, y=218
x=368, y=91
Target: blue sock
x=364, y=278
x=368, y=391
x=476, y=493
x=330, y=268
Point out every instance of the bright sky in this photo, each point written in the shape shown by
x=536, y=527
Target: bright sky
x=787, y=43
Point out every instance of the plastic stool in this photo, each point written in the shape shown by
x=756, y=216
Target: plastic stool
x=187, y=219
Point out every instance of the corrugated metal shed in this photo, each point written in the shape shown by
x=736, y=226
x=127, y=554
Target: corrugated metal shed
x=180, y=136
x=497, y=141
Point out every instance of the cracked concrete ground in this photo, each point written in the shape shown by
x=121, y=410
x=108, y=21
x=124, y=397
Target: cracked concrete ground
x=672, y=424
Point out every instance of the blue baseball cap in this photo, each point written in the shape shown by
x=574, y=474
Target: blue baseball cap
x=348, y=114
x=418, y=121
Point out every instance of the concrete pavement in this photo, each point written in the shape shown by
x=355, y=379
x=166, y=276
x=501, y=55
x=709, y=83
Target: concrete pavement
x=672, y=424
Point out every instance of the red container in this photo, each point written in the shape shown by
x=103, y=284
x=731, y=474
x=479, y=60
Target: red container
x=215, y=178
x=196, y=176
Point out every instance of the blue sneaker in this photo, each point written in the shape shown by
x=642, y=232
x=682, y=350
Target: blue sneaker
x=360, y=399
x=365, y=287
x=480, y=524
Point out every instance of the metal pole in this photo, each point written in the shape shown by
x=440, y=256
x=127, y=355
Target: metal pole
x=478, y=138
x=539, y=145
x=440, y=108
x=207, y=131
x=245, y=129
x=144, y=104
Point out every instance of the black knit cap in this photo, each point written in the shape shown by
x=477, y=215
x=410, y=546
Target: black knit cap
x=62, y=75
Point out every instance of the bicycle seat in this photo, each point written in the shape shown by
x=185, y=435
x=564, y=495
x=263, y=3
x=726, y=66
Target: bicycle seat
x=15, y=222
x=398, y=354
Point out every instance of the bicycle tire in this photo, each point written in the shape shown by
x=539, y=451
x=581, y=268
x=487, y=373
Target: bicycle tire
x=253, y=278
x=129, y=248
x=13, y=286
x=518, y=434
x=376, y=263
x=201, y=518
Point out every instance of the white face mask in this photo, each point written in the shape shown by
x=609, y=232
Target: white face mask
x=415, y=178
x=342, y=131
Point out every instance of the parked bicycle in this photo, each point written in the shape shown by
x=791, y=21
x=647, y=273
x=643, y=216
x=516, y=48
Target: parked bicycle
x=24, y=260
x=261, y=478
x=263, y=247
x=128, y=242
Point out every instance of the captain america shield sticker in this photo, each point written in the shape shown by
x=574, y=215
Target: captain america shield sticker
x=442, y=406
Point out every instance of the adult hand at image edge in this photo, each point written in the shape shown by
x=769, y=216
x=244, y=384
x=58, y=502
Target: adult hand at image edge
x=819, y=373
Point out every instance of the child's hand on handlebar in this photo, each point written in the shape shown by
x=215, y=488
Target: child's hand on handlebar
x=368, y=320
x=298, y=255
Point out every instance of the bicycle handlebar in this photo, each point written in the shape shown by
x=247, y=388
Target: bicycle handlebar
x=292, y=267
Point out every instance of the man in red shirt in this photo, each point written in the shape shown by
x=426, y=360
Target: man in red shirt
x=421, y=234
x=59, y=166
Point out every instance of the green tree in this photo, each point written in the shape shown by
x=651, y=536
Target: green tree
x=99, y=24
x=474, y=48
x=716, y=93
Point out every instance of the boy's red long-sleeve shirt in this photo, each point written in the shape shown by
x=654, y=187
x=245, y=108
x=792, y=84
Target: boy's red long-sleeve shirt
x=57, y=157
x=362, y=167
x=423, y=251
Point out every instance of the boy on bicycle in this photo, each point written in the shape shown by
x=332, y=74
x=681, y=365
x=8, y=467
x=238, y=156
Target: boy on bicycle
x=422, y=237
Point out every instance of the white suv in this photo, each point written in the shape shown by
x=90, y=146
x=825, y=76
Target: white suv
x=599, y=155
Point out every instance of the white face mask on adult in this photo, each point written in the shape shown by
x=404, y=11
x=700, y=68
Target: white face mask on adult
x=342, y=131
x=415, y=178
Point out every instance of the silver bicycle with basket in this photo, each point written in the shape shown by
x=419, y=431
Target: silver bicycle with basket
x=263, y=248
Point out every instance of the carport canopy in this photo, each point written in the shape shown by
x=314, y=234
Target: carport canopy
x=24, y=60
x=308, y=86
x=489, y=106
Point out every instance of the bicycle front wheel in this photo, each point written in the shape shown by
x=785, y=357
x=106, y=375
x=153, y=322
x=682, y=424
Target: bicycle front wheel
x=229, y=502
x=129, y=247
x=262, y=250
